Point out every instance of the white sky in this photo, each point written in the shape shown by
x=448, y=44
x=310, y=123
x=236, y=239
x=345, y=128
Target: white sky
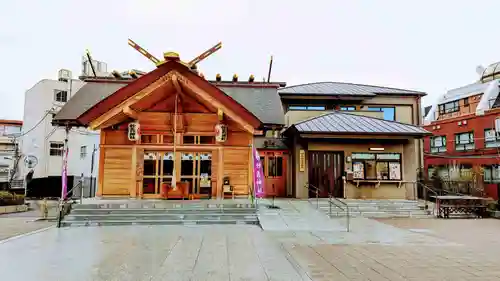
x=424, y=45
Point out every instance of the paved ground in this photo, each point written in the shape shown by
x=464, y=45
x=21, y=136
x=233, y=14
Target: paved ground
x=297, y=243
x=19, y=223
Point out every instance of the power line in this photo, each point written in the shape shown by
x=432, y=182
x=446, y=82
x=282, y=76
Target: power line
x=34, y=127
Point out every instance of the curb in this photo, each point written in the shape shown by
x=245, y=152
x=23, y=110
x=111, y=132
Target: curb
x=25, y=234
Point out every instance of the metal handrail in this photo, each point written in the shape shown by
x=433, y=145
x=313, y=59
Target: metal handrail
x=315, y=190
x=343, y=206
x=65, y=199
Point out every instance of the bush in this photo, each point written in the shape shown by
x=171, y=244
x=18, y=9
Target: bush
x=8, y=199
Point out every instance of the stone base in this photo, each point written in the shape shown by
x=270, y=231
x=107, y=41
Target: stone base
x=13, y=209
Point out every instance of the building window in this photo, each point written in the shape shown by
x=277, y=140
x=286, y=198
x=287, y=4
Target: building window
x=449, y=107
x=376, y=166
x=306, y=107
x=389, y=112
x=83, y=152
x=464, y=141
x=491, y=138
x=438, y=144
x=60, y=96
x=466, y=101
x=491, y=174
x=347, y=108
x=56, y=148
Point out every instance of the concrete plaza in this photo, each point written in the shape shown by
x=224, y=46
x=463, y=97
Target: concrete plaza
x=296, y=242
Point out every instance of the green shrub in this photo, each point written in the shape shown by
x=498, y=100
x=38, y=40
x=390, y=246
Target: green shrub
x=8, y=199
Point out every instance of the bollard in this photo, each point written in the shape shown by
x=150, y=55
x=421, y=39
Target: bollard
x=44, y=209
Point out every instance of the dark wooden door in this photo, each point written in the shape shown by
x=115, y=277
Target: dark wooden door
x=325, y=172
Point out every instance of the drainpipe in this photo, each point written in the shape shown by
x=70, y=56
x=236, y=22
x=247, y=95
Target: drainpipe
x=421, y=141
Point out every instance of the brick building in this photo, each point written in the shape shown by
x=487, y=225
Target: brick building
x=465, y=123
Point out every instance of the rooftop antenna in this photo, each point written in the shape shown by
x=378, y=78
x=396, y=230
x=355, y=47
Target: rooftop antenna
x=270, y=68
x=90, y=61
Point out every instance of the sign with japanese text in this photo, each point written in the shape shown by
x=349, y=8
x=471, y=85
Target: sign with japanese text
x=258, y=174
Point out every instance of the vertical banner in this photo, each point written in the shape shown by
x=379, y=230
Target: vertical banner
x=65, y=174
x=258, y=175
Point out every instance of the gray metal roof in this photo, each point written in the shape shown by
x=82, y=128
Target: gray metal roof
x=342, y=123
x=264, y=103
x=347, y=89
x=89, y=95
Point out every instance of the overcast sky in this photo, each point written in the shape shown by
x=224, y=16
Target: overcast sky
x=424, y=45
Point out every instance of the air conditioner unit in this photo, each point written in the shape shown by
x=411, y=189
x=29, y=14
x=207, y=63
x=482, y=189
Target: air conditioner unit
x=64, y=75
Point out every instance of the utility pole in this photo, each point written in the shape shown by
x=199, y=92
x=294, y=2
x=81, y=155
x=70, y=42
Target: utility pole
x=92, y=170
x=15, y=164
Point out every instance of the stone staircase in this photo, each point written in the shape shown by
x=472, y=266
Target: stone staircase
x=161, y=213
x=387, y=208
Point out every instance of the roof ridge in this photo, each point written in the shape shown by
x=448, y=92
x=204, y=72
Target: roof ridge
x=350, y=83
x=346, y=113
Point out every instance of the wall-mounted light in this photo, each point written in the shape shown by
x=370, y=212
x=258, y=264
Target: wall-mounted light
x=377, y=149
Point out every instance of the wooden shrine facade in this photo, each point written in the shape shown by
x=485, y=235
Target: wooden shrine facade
x=172, y=125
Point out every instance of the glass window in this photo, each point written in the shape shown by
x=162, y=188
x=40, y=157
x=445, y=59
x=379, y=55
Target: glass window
x=56, y=148
x=83, y=152
x=60, y=96
x=347, y=108
x=491, y=174
x=376, y=166
x=149, y=164
x=306, y=107
x=438, y=144
x=464, y=141
x=389, y=113
x=491, y=138
x=168, y=164
x=275, y=166
x=187, y=164
x=449, y=107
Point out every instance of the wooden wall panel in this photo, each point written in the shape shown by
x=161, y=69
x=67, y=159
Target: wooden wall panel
x=117, y=179
x=201, y=122
x=238, y=139
x=116, y=137
x=236, y=167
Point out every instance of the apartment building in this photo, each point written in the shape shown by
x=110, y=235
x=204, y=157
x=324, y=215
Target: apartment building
x=10, y=154
x=465, y=125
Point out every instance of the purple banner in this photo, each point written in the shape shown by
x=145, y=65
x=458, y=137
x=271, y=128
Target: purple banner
x=65, y=174
x=258, y=175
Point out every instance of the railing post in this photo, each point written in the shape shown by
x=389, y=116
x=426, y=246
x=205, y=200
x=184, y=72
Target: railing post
x=317, y=198
x=330, y=206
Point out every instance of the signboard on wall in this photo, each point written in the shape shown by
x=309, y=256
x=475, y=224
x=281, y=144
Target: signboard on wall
x=302, y=160
x=133, y=131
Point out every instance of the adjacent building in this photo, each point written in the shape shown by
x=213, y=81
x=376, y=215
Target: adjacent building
x=465, y=125
x=45, y=143
x=10, y=155
x=173, y=132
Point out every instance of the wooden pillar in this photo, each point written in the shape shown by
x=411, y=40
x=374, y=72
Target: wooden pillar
x=100, y=182
x=133, y=173
x=250, y=170
x=220, y=172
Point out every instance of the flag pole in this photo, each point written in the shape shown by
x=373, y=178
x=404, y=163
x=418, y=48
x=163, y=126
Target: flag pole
x=174, y=180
